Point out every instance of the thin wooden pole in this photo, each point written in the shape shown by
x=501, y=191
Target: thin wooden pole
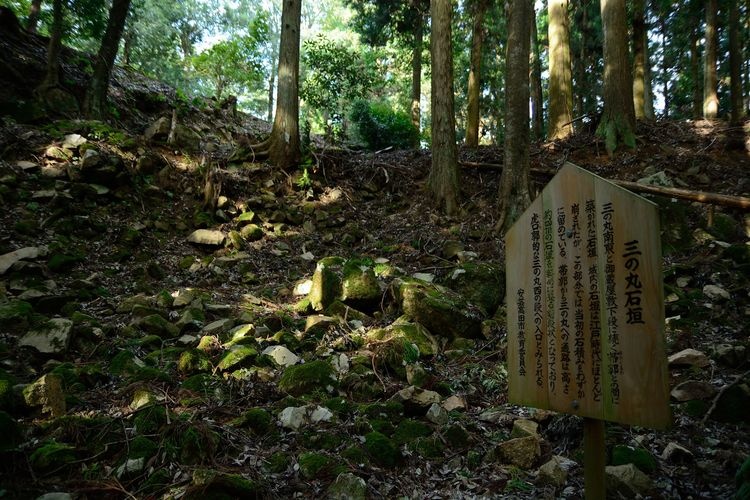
x=594, y=459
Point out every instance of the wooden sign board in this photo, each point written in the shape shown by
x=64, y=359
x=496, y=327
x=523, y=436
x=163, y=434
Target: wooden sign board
x=585, y=303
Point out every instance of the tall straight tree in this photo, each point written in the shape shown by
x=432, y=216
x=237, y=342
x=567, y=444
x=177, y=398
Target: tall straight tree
x=710, y=78
x=735, y=64
x=95, y=103
x=695, y=74
x=416, y=66
x=535, y=81
x=515, y=195
x=560, y=72
x=475, y=69
x=443, y=179
x=52, y=77
x=34, y=10
x=617, y=125
x=639, y=59
x=282, y=147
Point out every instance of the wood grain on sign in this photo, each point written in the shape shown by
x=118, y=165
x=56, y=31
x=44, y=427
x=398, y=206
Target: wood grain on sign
x=585, y=303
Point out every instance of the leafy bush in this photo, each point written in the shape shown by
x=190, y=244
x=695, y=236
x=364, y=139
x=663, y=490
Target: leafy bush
x=379, y=126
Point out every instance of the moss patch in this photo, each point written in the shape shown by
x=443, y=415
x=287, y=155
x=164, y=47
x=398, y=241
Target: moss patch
x=314, y=465
x=257, y=420
x=52, y=455
x=303, y=379
x=409, y=430
x=382, y=450
x=641, y=458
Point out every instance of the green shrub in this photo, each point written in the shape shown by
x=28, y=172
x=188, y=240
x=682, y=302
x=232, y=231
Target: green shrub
x=379, y=126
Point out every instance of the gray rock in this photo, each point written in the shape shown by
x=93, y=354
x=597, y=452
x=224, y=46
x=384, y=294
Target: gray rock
x=295, y=417
x=91, y=158
x=347, y=486
x=51, y=338
x=74, y=141
x=524, y=428
x=628, y=481
x=716, y=293
x=730, y=355
x=46, y=392
x=184, y=297
x=217, y=327
x=8, y=259
x=691, y=390
x=281, y=355
x=416, y=398
x=675, y=453
x=207, y=237
x=437, y=414
x=159, y=129
x=522, y=452
x=555, y=471
x=689, y=357
x=27, y=166
x=657, y=179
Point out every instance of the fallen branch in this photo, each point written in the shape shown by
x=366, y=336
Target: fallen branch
x=724, y=389
x=683, y=194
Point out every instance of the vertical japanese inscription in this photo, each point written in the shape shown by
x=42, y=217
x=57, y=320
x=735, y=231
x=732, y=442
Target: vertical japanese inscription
x=549, y=281
x=579, y=325
x=521, y=307
x=536, y=269
x=594, y=303
x=564, y=307
x=633, y=286
x=610, y=296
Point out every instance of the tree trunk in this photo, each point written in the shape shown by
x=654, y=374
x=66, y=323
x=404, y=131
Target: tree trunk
x=648, y=93
x=710, y=78
x=535, y=81
x=582, y=62
x=95, y=104
x=639, y=59
x=664, y=62
x=515, y=195
x=735, y=63
x=560, y=76
x=695, y=75
x=272, y=82
x=52, y=78
x=284, y=147
x=618, y=118
x=34, y=11
x=127, y=46
x=475, y=71
x=443, y=180
x=416, y=71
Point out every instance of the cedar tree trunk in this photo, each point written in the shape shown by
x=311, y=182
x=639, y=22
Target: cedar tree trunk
x=515, y=194
x=95, y=104
x=284, y=145
x=34, y=11
x=639, y=59
x=535, y=81
x=443, y=180
x=416, y=71
x=617, y=125
x=475, y=70
x=695, y=74
x=710, y=78
x=560, y=73
x=648, y=92
x=52, y=78
x=735, y=63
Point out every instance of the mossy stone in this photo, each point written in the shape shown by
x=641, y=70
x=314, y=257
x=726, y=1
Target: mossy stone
x=198, y=445
x=194, y=361
x=641, y=458
x=155, y=324
x=313, y=465
x=732, y=405
x=150, y=420
x=238, y=356
x=456, y=436
x=278, y=462
x=303, y=379
x=725, y=227
x=412, y=333
x=215, y=485
x=339, y=405
x=52, y=455
x=326, y=282
x=8, y=398
x=257, y=420
x=696, y=408
x=382, y=450
x=321, y=440
x=359, y=286
x=251, y=232
x=355, y=454
x=124, y=364
x=15, y=315
x=10, y=432
x=480, y=283
x=408, y=430
x=428, y=447
x=63, y=262
x=142, y=447
x=186, y=262
x=198, y=383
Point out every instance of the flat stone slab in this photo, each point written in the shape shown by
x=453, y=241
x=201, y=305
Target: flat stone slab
x=207, y=237
x=52, y=338
x=8, y=259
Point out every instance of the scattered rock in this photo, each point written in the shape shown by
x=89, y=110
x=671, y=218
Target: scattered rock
x=415, y=399
x=302, y=379
x=437, y=414
x=295, y=417
x=522, y=452
x=676, y=453
x=7, y=260
x=555, y=471
x=657, y=179
x=733, y=356
x=627, y=480
x=159, y=129
x=46, y=392
x=689, y=357
x=281, y=355
x=732, y=404
x=691, y=390
x=524, y=428
x=51, y=338
x=347, y=486
x=716, y=293
x=207, y=237
x=454, y=402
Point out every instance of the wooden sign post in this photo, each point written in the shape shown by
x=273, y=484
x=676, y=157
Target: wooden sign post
x=586, y=310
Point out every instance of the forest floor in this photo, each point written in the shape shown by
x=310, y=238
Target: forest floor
x=158, y=386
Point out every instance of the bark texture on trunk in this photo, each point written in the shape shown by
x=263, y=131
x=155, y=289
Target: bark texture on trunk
x=475, y=70
x=515, y=195
x=443, y=179
x=95, y=104
x=560, y=72
x=710, y=78
x=695, y=75
x=272, y=82
x=535, y=81
x=284, y=147
x=639, y=59
x=735, y=64
x=52, y=78
x=34, y=11
x=664, y=63
x=648, y=82
x=617, y=125
x=416, y=72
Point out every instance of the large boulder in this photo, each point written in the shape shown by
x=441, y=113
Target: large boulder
x=480, y=283
x=442, y=311
x=51, y=338
x=352, y=282
x=402, y=331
